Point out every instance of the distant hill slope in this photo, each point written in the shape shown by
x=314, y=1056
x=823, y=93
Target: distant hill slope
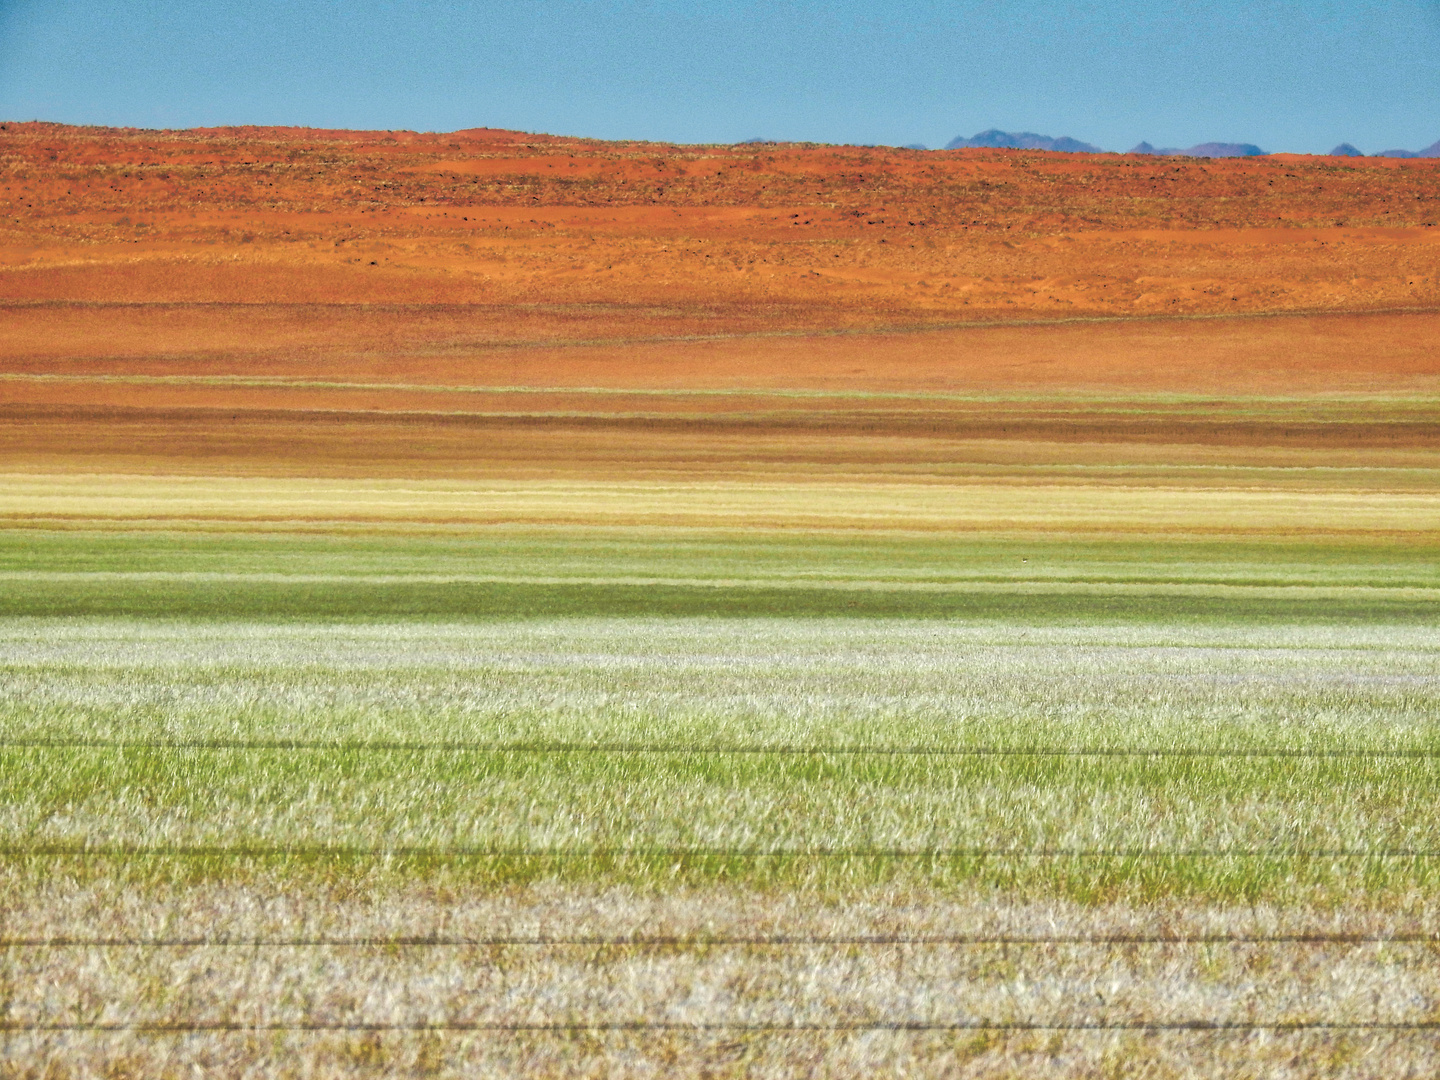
x=1209, y=150
x=995, y=139
x=657, y=241
x=1433, y=150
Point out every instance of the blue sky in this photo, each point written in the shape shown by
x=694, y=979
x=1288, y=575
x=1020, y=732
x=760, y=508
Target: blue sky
x=1285, y=74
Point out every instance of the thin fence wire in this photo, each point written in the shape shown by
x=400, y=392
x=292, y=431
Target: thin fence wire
x=340, y=851
x=719, y=941
x=1194, y=1026
x=1198, y=1026
x=694, y=751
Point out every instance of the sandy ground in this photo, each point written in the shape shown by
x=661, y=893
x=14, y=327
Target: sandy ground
x=702, y=237
x=1321, y=403
x=479, y=346
x=492, y=305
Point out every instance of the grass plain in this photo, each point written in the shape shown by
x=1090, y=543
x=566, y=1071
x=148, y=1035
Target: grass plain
x=696, y=845
x=496, y=605
x=584, y=741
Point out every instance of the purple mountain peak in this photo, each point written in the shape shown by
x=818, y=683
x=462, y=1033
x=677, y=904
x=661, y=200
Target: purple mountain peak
x=1433, y=150
x=1208, y=150
x=995, y=139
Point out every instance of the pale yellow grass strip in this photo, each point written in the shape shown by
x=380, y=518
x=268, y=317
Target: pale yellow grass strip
x=890, y=505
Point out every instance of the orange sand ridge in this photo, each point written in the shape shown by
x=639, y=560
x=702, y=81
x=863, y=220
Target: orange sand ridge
x=492, y=304
x=650, y=238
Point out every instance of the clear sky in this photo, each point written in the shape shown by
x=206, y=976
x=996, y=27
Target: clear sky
x=1297, y=75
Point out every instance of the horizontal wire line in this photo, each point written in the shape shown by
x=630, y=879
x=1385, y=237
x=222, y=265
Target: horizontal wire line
x=652, y=748
x=323, y=850
x=1198, y=1026
x=782, y=941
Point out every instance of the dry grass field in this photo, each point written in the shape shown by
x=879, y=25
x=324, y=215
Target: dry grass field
x=489, y=604
x=698, y=846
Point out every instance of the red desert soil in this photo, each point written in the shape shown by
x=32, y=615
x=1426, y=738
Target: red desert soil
x=813, y=235
x=146, y=275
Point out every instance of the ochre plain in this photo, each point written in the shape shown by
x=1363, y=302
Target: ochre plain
x=489, y=306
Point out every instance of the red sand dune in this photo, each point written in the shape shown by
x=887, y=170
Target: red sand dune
x=734, y=237
x=498, y=259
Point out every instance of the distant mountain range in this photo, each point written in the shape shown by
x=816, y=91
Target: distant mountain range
x=1207, y=149
x=995, y=139
x=1433, y=150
